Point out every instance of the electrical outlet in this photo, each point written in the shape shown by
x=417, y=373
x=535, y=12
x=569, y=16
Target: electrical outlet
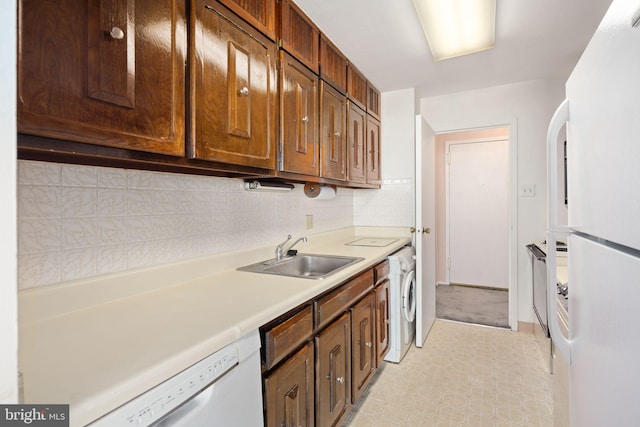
x=527, y=190
x=309, y=222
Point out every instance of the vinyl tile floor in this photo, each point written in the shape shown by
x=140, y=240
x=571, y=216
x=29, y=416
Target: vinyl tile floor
x=465, y=375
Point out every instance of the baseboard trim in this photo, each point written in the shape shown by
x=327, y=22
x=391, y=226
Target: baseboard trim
x=467, y=285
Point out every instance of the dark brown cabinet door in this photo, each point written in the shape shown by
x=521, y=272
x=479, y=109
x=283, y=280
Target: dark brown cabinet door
x=233, y=89
x=362, y=344
x=299, y=35
x=356, y=87
x=373, y=151
x=289, y=391
x=382, y=321
x=333, y=65
x=356, y=144
x=333, y=147
x=259, y=13
x=333, y=361
x=108, y=73
x=373, y=101
x=298, y=117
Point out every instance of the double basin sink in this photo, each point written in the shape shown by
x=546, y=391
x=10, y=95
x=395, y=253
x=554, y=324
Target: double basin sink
x=308, y=266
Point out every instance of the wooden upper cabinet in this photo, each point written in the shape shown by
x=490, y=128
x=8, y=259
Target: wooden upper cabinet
x=373, y=151
x=333, y=133
x=233, y=89
x=333, y=65
x=356, y=87
x=356, y=144
x=109, y=73
x=259, y=13
x=299, y=35
x=289, y=391
x=373, y=101
x=298, y=117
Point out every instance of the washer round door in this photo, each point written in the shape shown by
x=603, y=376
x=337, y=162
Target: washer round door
x=409, y=296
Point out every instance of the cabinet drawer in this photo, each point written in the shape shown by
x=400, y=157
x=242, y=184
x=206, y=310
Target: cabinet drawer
x=381, y=271
x=331, y=305
x=283, y=338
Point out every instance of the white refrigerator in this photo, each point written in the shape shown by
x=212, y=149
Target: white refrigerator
x=602, y=114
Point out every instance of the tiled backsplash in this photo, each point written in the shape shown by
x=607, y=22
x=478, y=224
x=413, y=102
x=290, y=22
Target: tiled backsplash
x=390, y=206
x=79, y=221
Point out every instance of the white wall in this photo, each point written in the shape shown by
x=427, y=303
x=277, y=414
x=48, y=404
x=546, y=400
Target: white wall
x=393, y=204
x=529, y=106
x=8, y=301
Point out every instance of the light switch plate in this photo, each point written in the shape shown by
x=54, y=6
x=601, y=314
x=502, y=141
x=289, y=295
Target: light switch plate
x=309, y=222
x=527, y=190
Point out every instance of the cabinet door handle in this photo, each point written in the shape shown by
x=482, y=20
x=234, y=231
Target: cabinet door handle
x=368, y=344
x=337, y=134
x=116, y=33
x=305, y=119
x=244, y=91
x=340, y=380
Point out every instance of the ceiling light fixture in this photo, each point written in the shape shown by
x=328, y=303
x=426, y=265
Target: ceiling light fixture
x=457, y=27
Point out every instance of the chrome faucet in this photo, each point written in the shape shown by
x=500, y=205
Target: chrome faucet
x=280, y=248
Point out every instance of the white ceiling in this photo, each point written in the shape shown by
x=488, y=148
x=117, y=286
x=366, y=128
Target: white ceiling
x=383, y=38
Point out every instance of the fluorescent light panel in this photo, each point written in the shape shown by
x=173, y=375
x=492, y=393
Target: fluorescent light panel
x=457, y=27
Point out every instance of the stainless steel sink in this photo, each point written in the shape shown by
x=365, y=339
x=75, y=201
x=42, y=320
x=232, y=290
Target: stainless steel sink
x=309, y=266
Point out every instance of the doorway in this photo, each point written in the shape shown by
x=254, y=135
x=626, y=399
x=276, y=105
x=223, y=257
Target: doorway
x=473, y=211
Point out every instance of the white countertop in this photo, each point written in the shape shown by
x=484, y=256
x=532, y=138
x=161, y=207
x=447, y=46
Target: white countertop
x=98, y=343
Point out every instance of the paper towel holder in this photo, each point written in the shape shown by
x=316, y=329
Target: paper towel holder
x=312, y=190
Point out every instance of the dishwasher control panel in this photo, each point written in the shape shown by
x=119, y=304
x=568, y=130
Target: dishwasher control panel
x=166, y=397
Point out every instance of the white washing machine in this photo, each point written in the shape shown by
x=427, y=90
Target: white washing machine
x=402, y=303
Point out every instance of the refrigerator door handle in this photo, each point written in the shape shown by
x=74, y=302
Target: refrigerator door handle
x=560, y=117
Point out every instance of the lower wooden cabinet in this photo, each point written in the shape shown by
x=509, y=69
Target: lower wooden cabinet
x=314, y=371
x=289, y=391
x=382, y=321
x=362, y=344
x=332, y=369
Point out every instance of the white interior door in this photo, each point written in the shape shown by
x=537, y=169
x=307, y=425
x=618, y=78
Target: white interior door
x=478, y=213
x=424, y=238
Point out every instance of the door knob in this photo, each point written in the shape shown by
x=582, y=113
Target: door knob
x=412, y=230
x=426, y=230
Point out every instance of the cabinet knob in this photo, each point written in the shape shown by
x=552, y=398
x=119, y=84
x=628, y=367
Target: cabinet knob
x=368, y=344
x=305, y=119
x=337, y=134
x=244, y=91
x=340, y=380
x=116, y=33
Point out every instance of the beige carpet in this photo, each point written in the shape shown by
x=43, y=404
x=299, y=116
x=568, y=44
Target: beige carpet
x=473, y=305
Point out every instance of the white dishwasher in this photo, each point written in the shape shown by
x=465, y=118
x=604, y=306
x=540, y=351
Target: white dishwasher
x=224, y=389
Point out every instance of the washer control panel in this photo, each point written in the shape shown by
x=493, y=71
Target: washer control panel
x=166, y=397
